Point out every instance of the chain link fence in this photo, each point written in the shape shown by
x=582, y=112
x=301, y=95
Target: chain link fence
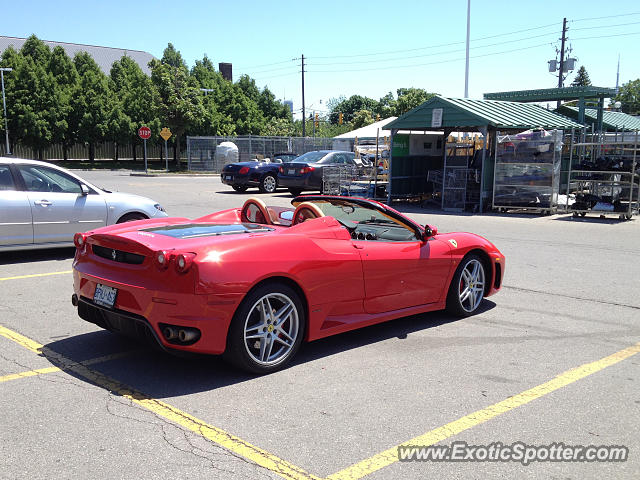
x=201, y=151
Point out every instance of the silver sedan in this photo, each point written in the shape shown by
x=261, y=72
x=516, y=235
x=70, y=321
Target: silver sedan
x=43, y=206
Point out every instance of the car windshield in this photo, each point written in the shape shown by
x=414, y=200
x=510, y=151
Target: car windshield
x=352, y=214
x=310, y=157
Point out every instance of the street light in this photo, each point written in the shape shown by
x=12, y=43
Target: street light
x=4, y=104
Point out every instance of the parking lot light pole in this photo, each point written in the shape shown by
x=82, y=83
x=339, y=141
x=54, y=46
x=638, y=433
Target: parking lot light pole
x=4, y=105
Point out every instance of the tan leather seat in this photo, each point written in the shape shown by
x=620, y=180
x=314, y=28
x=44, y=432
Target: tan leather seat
x=255, y=210
x=305, y=211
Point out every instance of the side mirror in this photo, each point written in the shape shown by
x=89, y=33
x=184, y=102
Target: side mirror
x=430, y=231
x=85, y=189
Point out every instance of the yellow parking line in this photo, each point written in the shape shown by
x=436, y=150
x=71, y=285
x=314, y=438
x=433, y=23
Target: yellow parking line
x=42, y=371
x=30, y=373
x=21, y=339
x=35, y=275
x=166, y=411
x=390, y=456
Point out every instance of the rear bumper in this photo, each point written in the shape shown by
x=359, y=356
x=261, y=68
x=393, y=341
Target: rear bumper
x=304, y=182
x=498, y=273
x=245, y=180
x=139, y=312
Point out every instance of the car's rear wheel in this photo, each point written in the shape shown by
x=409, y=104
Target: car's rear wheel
x=268, y=184
x=267, y=329
x=295, y=191
x=132, y=217
x=239, y=188
x=467, y=287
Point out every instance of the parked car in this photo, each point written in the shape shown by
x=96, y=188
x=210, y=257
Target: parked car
x=305, y=172
x=43, y=205
x=264, y=175
x=253, y=283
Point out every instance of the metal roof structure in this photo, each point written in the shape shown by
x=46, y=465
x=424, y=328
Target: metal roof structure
x=552, y=94
x=466, y=114
x=611, y=120
x=104, y=56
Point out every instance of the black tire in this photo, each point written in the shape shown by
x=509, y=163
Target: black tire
x=295, y=191
x=239, y=188
x=243, y=352
x=132, y=217
x=456, y=306
x=269, y=183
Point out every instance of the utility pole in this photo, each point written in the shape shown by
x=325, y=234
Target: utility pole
x=466, y=70
x=304, y=119
x=560, y=74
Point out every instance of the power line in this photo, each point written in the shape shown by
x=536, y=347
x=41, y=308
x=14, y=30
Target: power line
x=433, y=63
x=608, y=16
x=605, y=26
x=388, y=52
x=429, y=54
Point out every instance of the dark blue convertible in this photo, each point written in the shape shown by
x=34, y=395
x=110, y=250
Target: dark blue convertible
x=264, y=175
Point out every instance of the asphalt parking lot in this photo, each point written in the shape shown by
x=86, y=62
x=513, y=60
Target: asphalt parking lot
x=554, y=357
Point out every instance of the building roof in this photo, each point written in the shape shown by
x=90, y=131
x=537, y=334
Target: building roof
x=369, y=131
x=551, y=94
x=103, y=56
x=610, y=120
x=466, y=114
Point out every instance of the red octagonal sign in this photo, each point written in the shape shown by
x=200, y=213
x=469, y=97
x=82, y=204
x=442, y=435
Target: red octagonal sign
x=144, y=132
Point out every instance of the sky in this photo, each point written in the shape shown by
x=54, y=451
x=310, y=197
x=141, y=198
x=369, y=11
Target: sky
x=368, y=48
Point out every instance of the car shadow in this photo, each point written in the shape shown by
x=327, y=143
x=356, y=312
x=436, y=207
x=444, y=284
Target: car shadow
x=592, y=218
x=26, y=256
x=158, y=374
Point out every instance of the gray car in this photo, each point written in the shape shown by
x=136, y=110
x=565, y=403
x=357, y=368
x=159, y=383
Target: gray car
x=43, y=206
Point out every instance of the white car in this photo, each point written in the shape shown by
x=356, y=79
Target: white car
x=43, y=206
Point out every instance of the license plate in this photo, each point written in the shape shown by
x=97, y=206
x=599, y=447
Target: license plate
x=228, y=177
x=105, y=296
x=291, y=171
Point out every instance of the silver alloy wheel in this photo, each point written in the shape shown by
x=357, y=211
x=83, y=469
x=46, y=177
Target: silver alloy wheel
x=269, y=184
x=471, y=287
x=271, y=329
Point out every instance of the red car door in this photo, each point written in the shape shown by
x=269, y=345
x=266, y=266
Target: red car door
x=403, y=274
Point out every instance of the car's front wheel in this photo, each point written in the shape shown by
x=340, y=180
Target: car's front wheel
x=267, y=329
x=132, y=217
x=268, y=184
x=467, y=287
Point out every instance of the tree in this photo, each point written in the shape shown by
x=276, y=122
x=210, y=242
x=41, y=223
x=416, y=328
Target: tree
x=32, y=99
x=173, y=57
x=629, y=97
x=92, y=103
x=409, y=98
x=582, y=78
x=66, y=79
x=179, y=95
x=362, y=118
x=350, y=106
x=137, y=98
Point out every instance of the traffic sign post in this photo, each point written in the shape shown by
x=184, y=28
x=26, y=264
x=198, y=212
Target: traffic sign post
x=165, y=133
x=144, y=133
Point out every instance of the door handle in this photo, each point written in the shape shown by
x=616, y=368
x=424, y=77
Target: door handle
x=44, y=203
x=359, y=247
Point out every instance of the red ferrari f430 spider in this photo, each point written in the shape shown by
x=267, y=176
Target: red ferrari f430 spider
x=253, y=283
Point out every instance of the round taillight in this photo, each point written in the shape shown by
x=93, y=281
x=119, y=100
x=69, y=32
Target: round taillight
x=162, y=259
x=244, y=170
x=79, y=240
x=184, y=261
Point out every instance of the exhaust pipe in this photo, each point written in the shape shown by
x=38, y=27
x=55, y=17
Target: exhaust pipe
x=169, y=333
x=187, y=335
x=74, y=300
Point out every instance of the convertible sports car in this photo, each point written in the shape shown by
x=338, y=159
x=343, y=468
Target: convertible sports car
x=253, y=283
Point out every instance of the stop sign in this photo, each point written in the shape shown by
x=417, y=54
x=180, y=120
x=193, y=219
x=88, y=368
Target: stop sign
x=144, y=132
